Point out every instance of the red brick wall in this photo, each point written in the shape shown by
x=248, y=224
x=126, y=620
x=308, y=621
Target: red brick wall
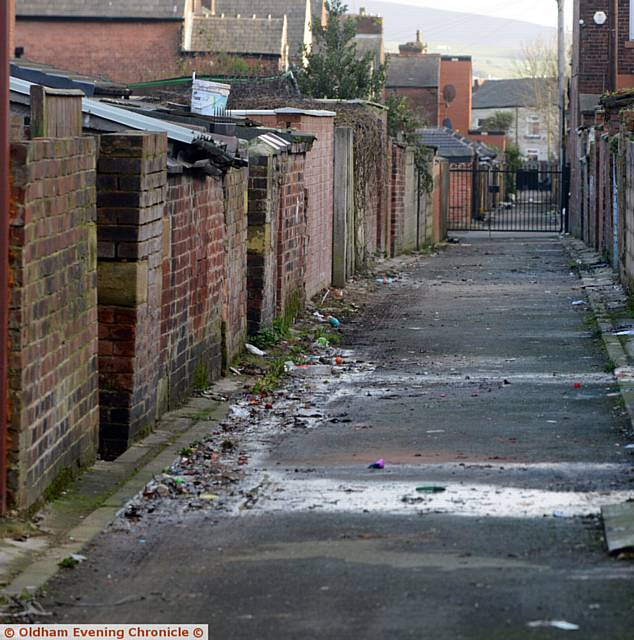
x=594, y=47
x=193, y=286
x=318, y=181
x=291, y=234
x=131, y=202
x=276, y=254
x=122, y=51
x=263, y=214
x=404, y=225
x=491, y=140
x=424, y=100
x=53, y=313
x=459, y=73
x=625, y=70
x=172, y=282
x=11, y=26
x=235, y=268
x=397, y=199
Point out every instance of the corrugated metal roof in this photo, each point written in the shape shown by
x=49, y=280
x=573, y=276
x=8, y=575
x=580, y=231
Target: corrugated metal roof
x=124, y=117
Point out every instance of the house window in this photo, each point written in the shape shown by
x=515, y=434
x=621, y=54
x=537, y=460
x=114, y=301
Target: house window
x=533, y=126
x=532, y=155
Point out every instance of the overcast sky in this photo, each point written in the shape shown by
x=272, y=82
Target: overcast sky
x=540, y=11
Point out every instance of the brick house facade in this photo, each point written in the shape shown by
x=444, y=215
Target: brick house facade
x=602, y=62
x=136, y=42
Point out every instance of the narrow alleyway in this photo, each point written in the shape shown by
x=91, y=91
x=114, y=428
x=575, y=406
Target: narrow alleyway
x=485, y=381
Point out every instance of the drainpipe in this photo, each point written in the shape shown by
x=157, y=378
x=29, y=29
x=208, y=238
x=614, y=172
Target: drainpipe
x=4, y=246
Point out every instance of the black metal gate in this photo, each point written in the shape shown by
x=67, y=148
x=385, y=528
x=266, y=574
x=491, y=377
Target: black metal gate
x=501, y=198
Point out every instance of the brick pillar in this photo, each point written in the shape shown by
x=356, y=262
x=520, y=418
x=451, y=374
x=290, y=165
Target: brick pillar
x=262, y=215
x=131, y=192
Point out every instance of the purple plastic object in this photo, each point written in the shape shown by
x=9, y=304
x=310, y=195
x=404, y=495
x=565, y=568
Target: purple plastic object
x=379, y=464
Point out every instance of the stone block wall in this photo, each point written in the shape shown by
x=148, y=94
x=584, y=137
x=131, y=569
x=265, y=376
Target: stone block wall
x=132, y=185
x=53, y=314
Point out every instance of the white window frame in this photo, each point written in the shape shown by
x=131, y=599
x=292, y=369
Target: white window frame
x=532, y=152
x=532, y=119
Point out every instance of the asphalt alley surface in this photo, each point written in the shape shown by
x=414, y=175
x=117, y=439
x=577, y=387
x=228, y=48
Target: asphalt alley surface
x=481, y=378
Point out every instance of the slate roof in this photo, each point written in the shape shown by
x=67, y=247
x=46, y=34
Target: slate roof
x=105, y=9
x=296, y=11
x=519, y=92
x=452, y=146
x=239, y=35
x=415, y=72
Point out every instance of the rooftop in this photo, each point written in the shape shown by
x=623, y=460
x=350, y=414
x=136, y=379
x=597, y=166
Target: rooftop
x=102, y=9
x=518, y=92
x=298, y=13
x=416, y=71
x=452, y=146
x=263, y=36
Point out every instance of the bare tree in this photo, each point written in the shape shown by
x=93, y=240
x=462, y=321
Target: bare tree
x=538, y=64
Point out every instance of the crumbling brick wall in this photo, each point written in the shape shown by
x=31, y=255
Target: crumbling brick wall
x=172, y=275
x=131, y=195
x=53, y=313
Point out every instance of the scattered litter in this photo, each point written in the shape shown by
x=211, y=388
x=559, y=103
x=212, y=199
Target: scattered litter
x=236, y=372
x=629, y=446
x=208, y=497
x=578, y=303
x=322, y=342
x=559, y=514
x=339, y=361
x=239, y=412
x=577, y=385
x=289, y=366
x=379, y=464
x=624, y=332
x=318, y=316
x=436, y=431
x=78, y=557
x=431, y=489
x=556, y=624
x=254, y=350
x=386, y=280
x=334, y=323
x=624, y=373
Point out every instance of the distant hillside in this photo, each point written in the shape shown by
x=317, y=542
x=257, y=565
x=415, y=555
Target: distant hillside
x=494, y=43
